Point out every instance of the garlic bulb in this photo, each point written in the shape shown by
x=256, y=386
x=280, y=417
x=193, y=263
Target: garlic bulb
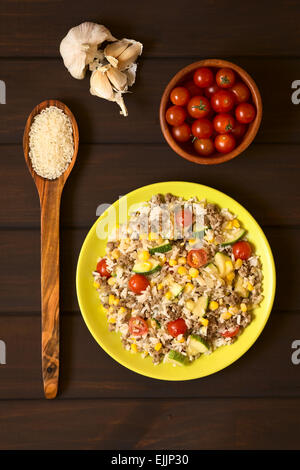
x=113, y=69
x=80, y=46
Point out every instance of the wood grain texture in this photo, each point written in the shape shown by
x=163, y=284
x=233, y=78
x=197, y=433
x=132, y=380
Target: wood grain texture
x=271, y=194
x=257, y=28
x=50, y=195
x=99, y=120
x=86, y=371
x=165, y=424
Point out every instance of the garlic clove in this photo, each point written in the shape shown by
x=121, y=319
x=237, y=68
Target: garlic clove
x=101, y=86
x=116, y=48
x=80, y=45
x=131, y=73
x=129, y=55
x=120, y=101
x=112, y=60
x=118, y=79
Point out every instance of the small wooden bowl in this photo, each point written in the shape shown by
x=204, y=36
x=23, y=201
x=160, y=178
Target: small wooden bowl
x=186, y=150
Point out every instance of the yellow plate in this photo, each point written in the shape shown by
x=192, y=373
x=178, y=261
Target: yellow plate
x=95, y=318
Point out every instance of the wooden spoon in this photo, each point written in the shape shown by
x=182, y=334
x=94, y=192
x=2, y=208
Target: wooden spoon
x=50, y=195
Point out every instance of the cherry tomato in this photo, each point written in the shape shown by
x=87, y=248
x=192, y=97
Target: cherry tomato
x=181, y=133
x=225, y=78
x=231, y=333
x=180, y=96
x=211, y=90
x=203, y=77
x=197, y=258
x=138, y=283
x=224, y=123
x=202, y=128
x=193, y=89
x=224, y=143
x=242, y=250
x=222, y=101
x=175, y=115
x=204, y=147
x=102, y=268
x=176, y=327
x=245, y=113
x=183, y=218
x=241, y=92
x=239, y=130
x=137, y=326
x=198, y=107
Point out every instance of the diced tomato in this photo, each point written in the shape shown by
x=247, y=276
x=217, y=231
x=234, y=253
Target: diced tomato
x=230, y=333
x=138, y=283
x=137, y=326
x=183, y=218
x=197, y=258
x=176, y=327
x=102, y=268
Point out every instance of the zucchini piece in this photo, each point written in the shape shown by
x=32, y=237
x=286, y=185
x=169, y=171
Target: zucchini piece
x=224, y=264
x=197, y=345
x=146, y=267
x=176, y=289
x=200, y=306
x=161, y=248
x=233, y=236
x=211, y=268
x=177, y=358
x=239, y=287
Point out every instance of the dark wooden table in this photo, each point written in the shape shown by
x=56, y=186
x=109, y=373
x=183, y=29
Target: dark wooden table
x=254, y=403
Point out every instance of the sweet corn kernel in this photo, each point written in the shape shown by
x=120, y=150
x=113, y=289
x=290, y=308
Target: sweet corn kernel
x=189, y=304
x=158, y=347
x=172, y=262
x=250, y=286
x=238, y=264
x=153, y=236
x=211, y=240
x=181, y=340
x=153, y=323
x=111, y=281
x=213, y=305
x=188, y=278
x=160, y=286
x=97, y=285
x=236, y=223
x=122, y=310
x=188, y=288
x=112, y=320
x=182, y=260
x=230, y=277
x=243, y=307
x=144, y=255
x=111, y=299
x=233, y=310
x=134, y=347
x=204, y=321
x=145, y=353
x=229, y=225
x=182, y=270
x=168, y=295
x=193, y=272
x=192, y=241
x=226, y=315
x=116, y=301
x=229, y=264
x=115, y=254
x=163, y=259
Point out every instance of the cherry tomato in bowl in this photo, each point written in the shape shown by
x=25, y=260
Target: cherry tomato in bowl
x=182, y=133
x=176, y=327
x=239, y=130
x=197, y=258
x=176, y=115
x=225, y=143
x=193, y=89
x=202, y=128
x=242, y=250
x=225, y=78
x=224, y=123
x=241, y=92
x=204, y=147
x=211, y=90
x=137, y=326
x=222, y=101
x=138, y=283
x=203, y=77
x=245, y=113
x=198, y=107
x=102, y=268
x=180, y=96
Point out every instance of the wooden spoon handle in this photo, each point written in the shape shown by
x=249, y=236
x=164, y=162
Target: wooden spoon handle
x=50, y=207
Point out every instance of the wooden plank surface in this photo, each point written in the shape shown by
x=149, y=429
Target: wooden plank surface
x=167, y=29
x=113, y=424
x=99, y=121
x=266, y=370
